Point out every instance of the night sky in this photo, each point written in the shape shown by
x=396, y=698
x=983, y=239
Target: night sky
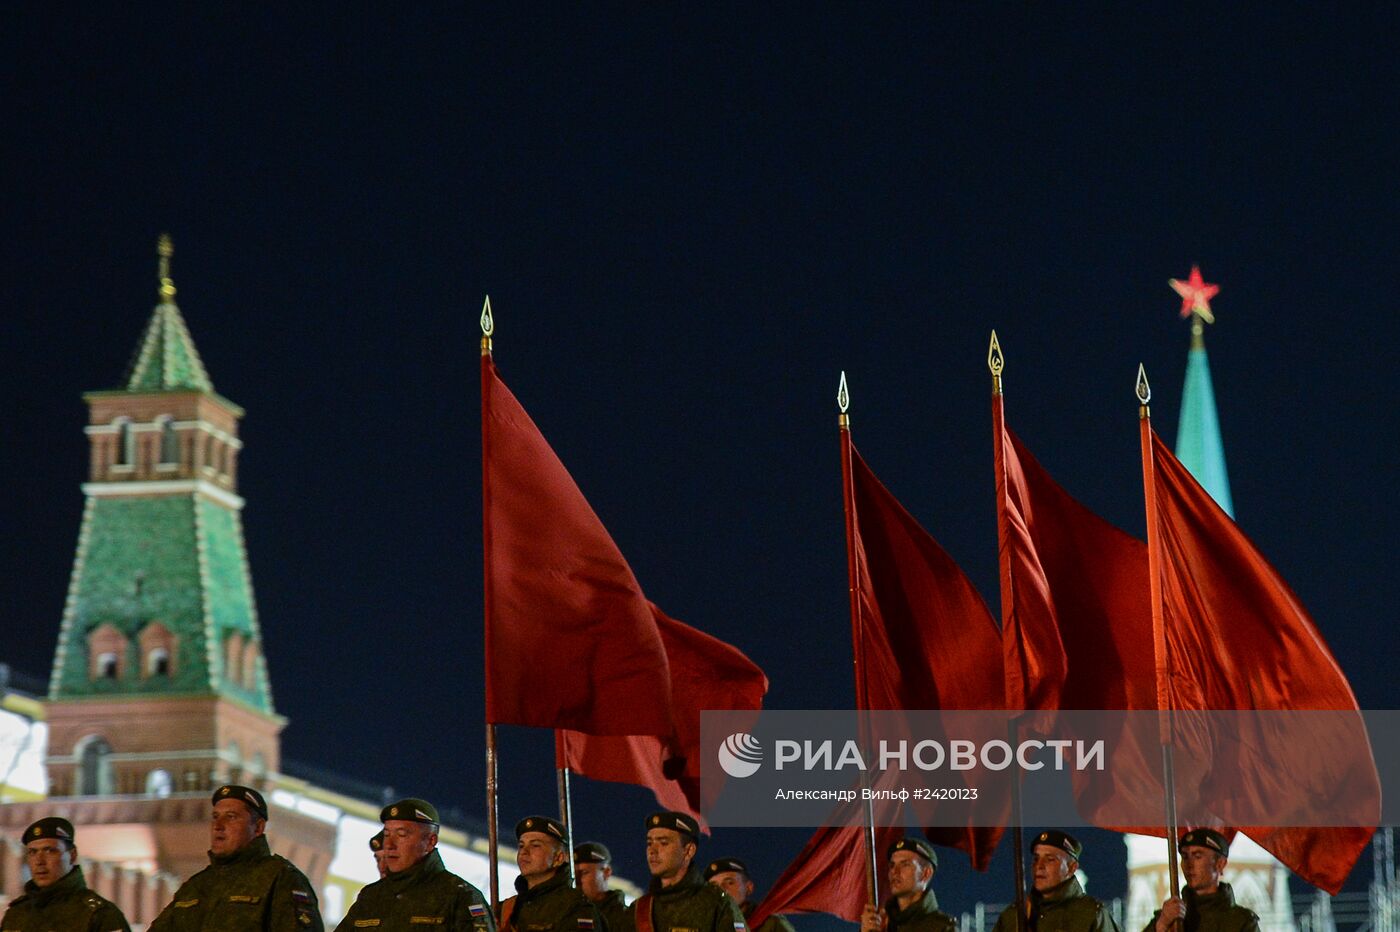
x=689, y=224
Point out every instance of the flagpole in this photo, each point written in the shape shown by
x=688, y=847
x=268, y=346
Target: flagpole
x=566, y=800
x=1159, y=628
x=843, y=421
x=493, y=839
x=996, y=362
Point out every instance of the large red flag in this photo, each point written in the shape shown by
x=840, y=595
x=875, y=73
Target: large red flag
x=706, y=673
x=1078, y=628
x=924, y=640
x=927, y=640
x=557, y=586
x=1238, y=638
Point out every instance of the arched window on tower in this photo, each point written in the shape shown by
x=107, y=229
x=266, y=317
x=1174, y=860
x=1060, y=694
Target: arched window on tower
x=126, y=443
x=233, y=658
x=107, y=666
x=250, y=665
x=158, y=662
x=169, y=442
x=95, y=767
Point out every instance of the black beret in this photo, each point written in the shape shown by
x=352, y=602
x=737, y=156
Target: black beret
x=1062, y=840
x=592, y=852
x=410, y=810
x=52, y=827
x=676, y=821
x=1205, y=838
x=539, y=823
x=244, y=794
x=723, y=865
x=377, y=842
x=917, y=845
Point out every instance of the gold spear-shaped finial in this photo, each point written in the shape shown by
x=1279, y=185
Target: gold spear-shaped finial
x=843, y=401
x=1144, y=392
x=488, y=327
x=995, y=362
x=165, y=248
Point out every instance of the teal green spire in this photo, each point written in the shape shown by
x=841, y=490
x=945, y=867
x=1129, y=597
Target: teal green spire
x=1198, y=442
x=166, y=359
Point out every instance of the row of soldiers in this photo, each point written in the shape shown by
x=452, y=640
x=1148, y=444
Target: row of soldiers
x=247, y=888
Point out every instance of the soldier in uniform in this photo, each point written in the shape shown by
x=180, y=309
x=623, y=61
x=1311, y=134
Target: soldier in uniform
x=678, y=897
x=56, y=896
x=912, y=906
x=544, y=899
x=418, y=890
x=732, y=876
x=376, y=844
x=245, y=886
x=1207, y=904
x=1057, y=902
x=593, y=866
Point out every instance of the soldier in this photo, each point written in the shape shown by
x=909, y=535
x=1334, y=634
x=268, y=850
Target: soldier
x=593, y=865
x=678, y=899
x=245, y=886
x=732, y=876
x=418, y=890
x=57, y=897
x=1057, y=902
x=912, y=906
x=1208, y=903
x=544, y=900
x=376, y=844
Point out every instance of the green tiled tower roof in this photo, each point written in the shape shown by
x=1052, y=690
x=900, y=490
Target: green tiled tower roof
x=166, y=359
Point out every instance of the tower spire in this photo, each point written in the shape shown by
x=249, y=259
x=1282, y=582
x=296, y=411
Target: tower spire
x=165, y=248
x=1198, y=441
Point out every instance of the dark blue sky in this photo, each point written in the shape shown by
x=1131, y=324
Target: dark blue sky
x=689, y=224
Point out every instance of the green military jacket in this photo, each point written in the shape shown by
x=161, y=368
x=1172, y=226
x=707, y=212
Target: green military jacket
x=1067, y=908
x=613, y=911
x=689, y=905
x=922, y=915
x=251, y=890
x=1215, y=912
x=65, y=906
x=774, y=923
x=553, y=906
x=427, y=894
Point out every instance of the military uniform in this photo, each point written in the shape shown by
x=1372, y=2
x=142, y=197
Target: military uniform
x=425, y=894
x=690, y=905
x=553, y=906
x=251, y=890
x=774, y=923
x=1066, y=908
x=1214, y=912
x=612, y=909
x=64, y=906
x=922, y=915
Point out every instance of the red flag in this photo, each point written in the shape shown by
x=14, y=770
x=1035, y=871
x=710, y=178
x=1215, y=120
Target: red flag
x=925, y=638
x=827, y=876
x=1078, y=626
x=1238, y=639
x=557, y=586
x=706, y=673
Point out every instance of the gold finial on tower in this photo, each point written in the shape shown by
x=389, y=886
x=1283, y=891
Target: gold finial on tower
x=995, y=362
x=165, y=247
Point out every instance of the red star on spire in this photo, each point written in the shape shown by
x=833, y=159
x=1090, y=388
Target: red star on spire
x=1195, y=295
